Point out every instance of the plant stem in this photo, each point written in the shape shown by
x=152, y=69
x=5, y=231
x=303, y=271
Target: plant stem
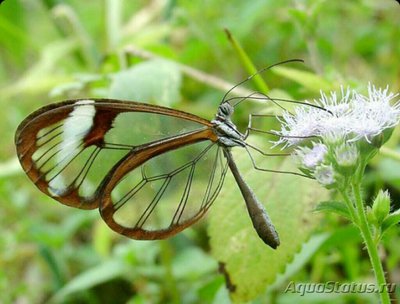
x=371, y=246
x=350, y=206
x=113, y=12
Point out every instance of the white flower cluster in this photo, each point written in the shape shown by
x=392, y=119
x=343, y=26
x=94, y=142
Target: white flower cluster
x=351, y=117
x=338, y=127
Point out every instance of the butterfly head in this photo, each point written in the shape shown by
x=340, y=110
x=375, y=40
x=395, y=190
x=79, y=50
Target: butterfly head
x=225, y=111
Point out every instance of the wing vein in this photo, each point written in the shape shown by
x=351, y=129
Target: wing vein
x=149, y=210
x=185, y=196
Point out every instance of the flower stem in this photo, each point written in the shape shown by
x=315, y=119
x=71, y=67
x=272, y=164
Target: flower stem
x=350, y=206
x=371, y=246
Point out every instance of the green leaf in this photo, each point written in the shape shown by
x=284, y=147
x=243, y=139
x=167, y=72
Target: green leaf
x=334, y=206
x=391, y=220
x=92, y=277
x=155, y=81
x=247, y=63
x=250, y=264
x=311, y=81
x=301, y=258
x=54, y=266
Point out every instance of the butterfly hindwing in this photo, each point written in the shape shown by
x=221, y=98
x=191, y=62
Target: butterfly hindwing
x=167, y=192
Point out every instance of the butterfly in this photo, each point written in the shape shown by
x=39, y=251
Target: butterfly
x=152, y=171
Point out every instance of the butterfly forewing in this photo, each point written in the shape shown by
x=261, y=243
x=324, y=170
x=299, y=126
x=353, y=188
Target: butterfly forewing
x=68, y=149
x=167, y=193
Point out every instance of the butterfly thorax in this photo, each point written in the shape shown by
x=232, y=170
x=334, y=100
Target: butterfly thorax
x=225, y=129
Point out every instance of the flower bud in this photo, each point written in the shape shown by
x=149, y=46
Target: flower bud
x=325, y=175
x=346, y=155
x=311, y=158
x=381, y=206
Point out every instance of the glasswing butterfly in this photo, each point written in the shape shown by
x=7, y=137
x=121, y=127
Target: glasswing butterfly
x=131, y=160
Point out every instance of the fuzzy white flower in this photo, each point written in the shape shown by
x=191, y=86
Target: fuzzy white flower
x=351, y=117
x=310, y=158
x=346, y=155
x=325, y=175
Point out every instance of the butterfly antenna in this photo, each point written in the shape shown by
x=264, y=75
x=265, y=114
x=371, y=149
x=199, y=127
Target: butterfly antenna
x=265, y=97
x=258, y=72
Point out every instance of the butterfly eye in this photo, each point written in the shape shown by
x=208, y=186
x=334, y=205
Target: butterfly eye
x=225, y=110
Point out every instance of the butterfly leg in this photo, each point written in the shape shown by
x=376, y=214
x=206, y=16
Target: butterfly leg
x=269, y=170
x=251, y=128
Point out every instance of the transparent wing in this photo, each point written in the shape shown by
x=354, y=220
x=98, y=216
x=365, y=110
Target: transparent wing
x=68, y=149
x=166, y=193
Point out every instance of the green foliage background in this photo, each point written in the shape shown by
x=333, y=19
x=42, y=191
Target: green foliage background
x=53, y=50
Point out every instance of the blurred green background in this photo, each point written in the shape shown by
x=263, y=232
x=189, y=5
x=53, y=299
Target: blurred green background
x=53, y=50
